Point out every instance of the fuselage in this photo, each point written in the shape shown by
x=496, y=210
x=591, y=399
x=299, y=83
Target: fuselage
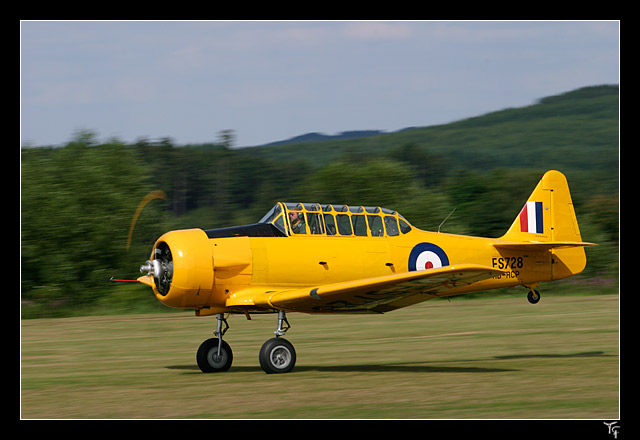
x=212, y=268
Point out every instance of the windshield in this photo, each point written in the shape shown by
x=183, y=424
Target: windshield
x=272, y=214
x=275, y=217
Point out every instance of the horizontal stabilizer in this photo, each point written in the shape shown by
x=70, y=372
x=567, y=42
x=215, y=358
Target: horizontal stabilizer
x=540, y=245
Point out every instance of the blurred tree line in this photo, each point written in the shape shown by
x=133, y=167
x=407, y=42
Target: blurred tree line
x=77, y=204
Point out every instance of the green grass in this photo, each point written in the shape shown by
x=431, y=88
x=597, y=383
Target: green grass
x=495, y=358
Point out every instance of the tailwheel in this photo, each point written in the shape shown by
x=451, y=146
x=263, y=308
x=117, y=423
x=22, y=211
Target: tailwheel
x=533, y=296
x=277, y=355
x=214, y=355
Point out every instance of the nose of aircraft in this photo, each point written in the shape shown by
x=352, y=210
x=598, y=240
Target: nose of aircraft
x=160, y=267
x=181, y=266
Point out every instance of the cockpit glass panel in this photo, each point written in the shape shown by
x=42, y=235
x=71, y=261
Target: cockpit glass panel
x=344, y=224
x=294, y=206
x=330, y=224
x=312, y=207
x=359, y=225
x=375, y=225
x=404, y=226
x=279, y=223
x=391, y=225
x=314, y=221
x=273, y=213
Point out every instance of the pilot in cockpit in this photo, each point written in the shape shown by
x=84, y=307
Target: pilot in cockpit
x=297, y=222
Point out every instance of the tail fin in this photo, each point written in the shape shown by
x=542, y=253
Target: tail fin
x=548, y=222
x=548, y=214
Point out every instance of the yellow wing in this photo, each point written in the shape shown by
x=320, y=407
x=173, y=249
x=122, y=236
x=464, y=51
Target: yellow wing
x=376, y=295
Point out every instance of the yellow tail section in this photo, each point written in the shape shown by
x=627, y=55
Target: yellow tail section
x=548, y=222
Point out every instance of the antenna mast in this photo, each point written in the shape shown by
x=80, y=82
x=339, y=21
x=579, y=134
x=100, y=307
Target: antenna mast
x=445, y=220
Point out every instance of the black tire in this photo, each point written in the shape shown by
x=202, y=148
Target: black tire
x=533, y=296
x=277, y=355
x=208, y=353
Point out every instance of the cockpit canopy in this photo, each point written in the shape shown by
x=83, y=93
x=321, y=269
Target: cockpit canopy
x=337, y=220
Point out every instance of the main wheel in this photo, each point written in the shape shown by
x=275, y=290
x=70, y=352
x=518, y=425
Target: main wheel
x=208, y=359
x=277, y=356
x=533, y=296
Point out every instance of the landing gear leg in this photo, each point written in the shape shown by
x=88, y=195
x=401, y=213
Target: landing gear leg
x=277, y=355
x=533, y=296
x=215, y=355
x=282, y=319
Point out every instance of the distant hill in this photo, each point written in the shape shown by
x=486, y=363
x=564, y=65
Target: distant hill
x=320, y=137
x=574, y=130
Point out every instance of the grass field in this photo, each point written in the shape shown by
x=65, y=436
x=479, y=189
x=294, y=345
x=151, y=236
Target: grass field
x=497, y=358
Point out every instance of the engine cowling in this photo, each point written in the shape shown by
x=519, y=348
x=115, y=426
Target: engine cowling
x=181, y=267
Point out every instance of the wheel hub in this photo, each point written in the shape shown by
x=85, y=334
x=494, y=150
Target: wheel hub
x=280, y=357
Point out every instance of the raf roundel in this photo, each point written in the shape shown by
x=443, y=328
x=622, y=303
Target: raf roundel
x=427, y=256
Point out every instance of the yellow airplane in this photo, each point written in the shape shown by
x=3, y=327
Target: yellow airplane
x=314, y=258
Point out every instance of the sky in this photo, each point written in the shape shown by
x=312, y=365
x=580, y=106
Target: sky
x=273, y=80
